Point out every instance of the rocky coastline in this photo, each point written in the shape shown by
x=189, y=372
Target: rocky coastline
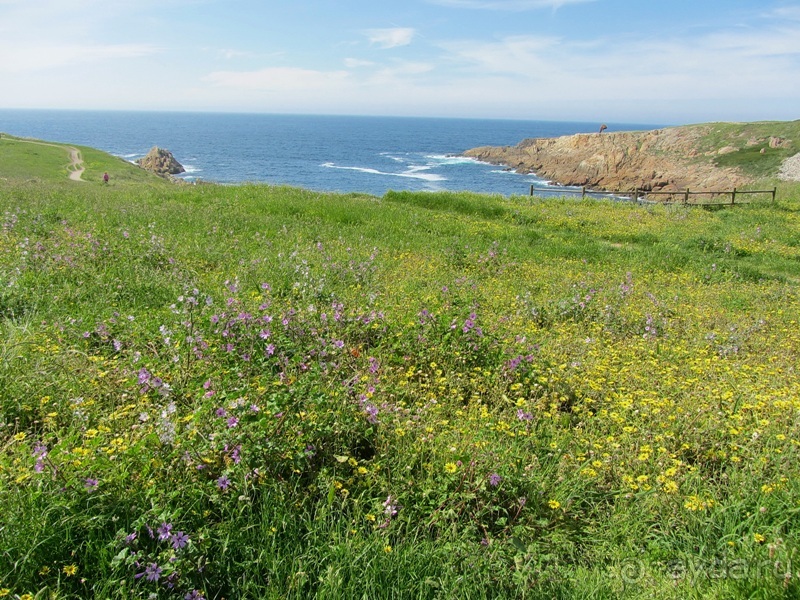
x=669, y=159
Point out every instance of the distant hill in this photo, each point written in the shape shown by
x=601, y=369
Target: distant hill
x=706, y=156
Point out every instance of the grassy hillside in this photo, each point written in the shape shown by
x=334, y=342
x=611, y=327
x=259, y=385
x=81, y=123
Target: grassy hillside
x=24, y=160
x=750, y=140
x=264, y=392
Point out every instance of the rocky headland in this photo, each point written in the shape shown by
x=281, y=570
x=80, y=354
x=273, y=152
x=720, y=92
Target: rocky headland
x=666, y=159
x=161, y=162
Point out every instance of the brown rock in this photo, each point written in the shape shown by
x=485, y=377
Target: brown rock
x=161, y=162
x=663, y=159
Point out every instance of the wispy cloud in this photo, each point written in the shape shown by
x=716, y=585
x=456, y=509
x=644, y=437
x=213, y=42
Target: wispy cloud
x=514, y=5
x=278, y=79
x=17, y=58
x=391, y=38
x=357, y=63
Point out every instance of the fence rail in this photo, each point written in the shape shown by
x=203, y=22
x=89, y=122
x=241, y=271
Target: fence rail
x=684, y=196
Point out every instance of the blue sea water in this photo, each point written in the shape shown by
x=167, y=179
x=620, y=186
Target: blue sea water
x=324, y=153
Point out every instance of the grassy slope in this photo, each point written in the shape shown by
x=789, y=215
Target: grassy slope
x=653, y=428
x=34, y=161
x=748, y=157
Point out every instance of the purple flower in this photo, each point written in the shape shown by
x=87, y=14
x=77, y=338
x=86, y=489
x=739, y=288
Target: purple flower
x=91, y=484
x=164, y=532
x=152, y=572
x=130, y=538
x=524, y=416
x=179, y=540
x=144, y=375
x=223, y=483
x=194, y=595
x=221, y=412
x=390, y=507
x=270, y=349
x=495, y=479
x=232, y=422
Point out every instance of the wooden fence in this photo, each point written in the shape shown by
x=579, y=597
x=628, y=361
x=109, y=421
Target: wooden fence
x=676, y=197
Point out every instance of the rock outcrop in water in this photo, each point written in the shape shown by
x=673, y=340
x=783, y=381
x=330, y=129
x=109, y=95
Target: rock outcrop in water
x=161, y=162
x=663, y=159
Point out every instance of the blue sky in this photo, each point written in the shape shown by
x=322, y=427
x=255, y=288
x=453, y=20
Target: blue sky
x=643, y=61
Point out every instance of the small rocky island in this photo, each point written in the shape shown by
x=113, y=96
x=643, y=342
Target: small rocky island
x=161, y=162
x=663, y=159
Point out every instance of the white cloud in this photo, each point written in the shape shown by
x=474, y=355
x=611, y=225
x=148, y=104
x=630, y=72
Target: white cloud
x=390, y=38
x=356, y=63
x=278, y=79
x=17, y=58
x=509, y=4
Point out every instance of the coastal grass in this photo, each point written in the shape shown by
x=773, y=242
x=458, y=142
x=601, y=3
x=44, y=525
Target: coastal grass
x=265, y=392
x=754, y=156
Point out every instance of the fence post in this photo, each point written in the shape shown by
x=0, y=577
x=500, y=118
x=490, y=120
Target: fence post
x=531, y=189
x=733, y=197
x=635, y=195
x=583, y=191
x=774, y=193
x=686, y=197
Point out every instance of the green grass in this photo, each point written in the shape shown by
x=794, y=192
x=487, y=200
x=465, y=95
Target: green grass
x=415, y=396
x=750, y=139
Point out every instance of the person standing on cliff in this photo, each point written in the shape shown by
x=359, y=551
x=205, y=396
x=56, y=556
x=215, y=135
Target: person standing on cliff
x=105, y=177
x=603, y=127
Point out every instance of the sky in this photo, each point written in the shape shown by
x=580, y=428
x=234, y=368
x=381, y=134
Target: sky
x=622, y=61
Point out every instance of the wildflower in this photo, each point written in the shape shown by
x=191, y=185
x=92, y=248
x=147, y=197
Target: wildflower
x=130, y=538
x=26, y=597
x=4, y=592
x=179, y=540
x=223, y=483
x=758, y=538
x=232, y=422
x=390, y=506
x=524, y=416
x=387, y=549
x=194, y=595
x=451, y=467
x=152, y=572
x=90, y=484
x=70, y=570
x=554, y=504
x=495, y=479
x=164, y=532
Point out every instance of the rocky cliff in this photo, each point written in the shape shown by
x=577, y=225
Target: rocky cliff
x=663, y=159
x=161, y=162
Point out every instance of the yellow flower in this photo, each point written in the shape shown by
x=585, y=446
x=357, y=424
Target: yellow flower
x=44, y=570
x=758, y=538
x=70, y=570
x=670, y=487
x=26, y=597
x=554, y=504
x=451, y=467
x=4, y=592
x=387, y=549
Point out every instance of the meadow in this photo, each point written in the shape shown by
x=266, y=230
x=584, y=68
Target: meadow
x=264, y=392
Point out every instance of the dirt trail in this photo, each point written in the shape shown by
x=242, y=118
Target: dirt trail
x=75, y=166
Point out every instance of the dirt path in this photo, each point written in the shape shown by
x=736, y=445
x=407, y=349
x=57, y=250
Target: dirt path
x=76, y=164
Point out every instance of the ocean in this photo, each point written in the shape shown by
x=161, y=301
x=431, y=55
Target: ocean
x=324, y=153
